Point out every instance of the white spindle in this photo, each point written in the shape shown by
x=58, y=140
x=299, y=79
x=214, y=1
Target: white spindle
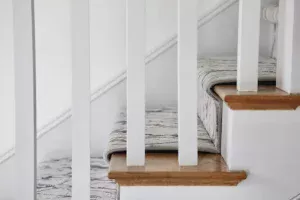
x=81, y=100
x=24, y=48
x=288, y=56
x=280, y=45
x=187, y=82
x=135, y=58
x=248, y=44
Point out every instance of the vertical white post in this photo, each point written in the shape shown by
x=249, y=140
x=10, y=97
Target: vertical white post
x=135, y=58
x=81, y=100
x=288, y=61
x=248, y=45
x=280, y=71
x=24, y=48
x=187, y=82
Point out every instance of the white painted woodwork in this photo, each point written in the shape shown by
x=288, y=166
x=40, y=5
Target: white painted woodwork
x=187, y=82
x=81, y=100
x=288, y=55
x=280, y=71
x=135, y=61
x=271, y=14
x=25, y=100
x=248, y=45
x=264, y=143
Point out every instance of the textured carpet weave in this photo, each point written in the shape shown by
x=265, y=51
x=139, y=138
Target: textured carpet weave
x=161, y=124
x=55, y=180
x=217, y=71
x=161, y=133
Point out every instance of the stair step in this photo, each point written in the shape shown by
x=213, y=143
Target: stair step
x=266, y=98
x=162, y=169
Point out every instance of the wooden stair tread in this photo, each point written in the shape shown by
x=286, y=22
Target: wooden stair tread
x=162, y=169
x=266, y=98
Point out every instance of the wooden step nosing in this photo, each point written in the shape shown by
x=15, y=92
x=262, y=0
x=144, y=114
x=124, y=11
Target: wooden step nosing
x=267, y=98
x=177, y=182
x=162, y=169
x=180, y=175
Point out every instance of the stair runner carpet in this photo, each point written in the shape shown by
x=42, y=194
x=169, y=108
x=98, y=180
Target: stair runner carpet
x=54, y=180
x=161, y=133
x=161, y=124
x=219, y=71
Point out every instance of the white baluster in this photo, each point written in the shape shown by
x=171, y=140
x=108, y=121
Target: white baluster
x=81, y=100
x=248, y=45
x=288, y=56
x=135, y=60
x=187, y=82
x=25, y=99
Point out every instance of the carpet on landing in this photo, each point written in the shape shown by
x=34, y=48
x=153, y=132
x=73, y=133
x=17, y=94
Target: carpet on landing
x=54, y=180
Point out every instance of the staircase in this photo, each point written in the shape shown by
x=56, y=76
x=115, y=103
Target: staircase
x=256, y=145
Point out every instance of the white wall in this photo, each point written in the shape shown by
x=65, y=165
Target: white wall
x=53, y=56
x=220, y=36
x=107, y=40
x=6, y=77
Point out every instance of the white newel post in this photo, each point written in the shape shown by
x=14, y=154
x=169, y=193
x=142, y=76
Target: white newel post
x=248, y=45
x=81, y=100
x=288, y=56
x=135, y=61
x=25, y=99
x=187, y=82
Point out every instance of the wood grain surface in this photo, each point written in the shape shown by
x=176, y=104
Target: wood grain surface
x=162, y=169
x=266, y=98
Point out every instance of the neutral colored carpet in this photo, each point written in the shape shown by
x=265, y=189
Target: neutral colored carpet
x=55, y=180
x=161, y=124
x=222, y=70
x=161, y=133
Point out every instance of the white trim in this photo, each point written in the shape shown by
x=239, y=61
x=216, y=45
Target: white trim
x=25, y=100
x=109, y=85
x=187, y=82
x=65, y=115
x=248, y=45
x=135, y=64
x=288, y=47
x=81, y=100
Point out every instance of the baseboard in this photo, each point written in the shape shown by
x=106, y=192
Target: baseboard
x=204, y=19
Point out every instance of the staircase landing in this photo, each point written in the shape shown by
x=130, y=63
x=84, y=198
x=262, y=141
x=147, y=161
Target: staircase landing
x=162, y=169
